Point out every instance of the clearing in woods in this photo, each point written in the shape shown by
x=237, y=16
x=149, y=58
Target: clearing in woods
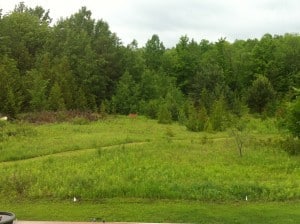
x=125, y=169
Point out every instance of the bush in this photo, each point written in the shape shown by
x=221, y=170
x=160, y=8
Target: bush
x=261, y=93
x=151, y=109
x=164, y=115
x=197, y=120
x=80, y=121
x=2, y=127
x=60, y=116
x=294, y=118
x=239, y=134
x=219, y=115
x=291, y=145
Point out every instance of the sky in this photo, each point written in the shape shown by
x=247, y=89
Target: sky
x=171, y=19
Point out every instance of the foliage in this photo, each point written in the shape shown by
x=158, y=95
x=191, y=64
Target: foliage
x=291, y=145
x=197, y=119
x=164, y=115
x=55, y=100
x=260, y=94
x=10, y=87
x=125, y=98
x=153, y=53
x=219, y=115
x=37, y=87
x=56, y=117
x=80, y=121
x=78, y=63
x=240, y=134
x=63, y=160
x=294, y=118
x=150, y=109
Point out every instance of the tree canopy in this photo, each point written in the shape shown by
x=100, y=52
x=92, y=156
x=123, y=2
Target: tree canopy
x=79, y=63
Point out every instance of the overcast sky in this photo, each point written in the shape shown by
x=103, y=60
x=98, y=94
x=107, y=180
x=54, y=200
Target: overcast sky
x=170, y=19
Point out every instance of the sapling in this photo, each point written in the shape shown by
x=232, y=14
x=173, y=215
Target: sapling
x=240, y=135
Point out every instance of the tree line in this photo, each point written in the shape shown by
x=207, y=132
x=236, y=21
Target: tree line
x=80, y=64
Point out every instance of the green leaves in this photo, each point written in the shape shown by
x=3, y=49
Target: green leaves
x=83, y=58
x=37, y=90
x=294, y=118
x=197, y=119
x=125, y=99
x=153, y=53
x=10, y=87
x=55, y=100
x=260, y=94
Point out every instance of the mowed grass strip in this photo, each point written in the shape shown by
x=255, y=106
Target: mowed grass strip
x=158, y=211
x=23, y=141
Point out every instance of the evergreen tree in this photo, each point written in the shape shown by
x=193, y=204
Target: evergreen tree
x=294, y=116
x=260, y=94
x=151, y=108
x=80, y=100
x=153, y=53
x=11, y=106
x=10, y=87
x=219, y=115
x=37, y=90
x=164, y=115
x=58, y=71
x=55, y=100
x=126, y=96
x=197, y=119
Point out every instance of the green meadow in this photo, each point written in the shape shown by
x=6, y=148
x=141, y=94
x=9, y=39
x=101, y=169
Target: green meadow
x=134, y=169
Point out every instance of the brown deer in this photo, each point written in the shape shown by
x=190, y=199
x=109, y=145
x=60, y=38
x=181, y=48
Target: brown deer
x=132, y=115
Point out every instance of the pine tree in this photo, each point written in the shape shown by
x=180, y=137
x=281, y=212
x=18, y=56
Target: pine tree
x=164, y=115
x=260, y=94
x=219, y=115
x=197, y=119
x=55, y=100
x=80, y=100
x=11, y=106
x=125, y=98
x=294, y=117
x=37, y=91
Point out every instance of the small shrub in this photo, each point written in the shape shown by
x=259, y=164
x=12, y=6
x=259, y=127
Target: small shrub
x=197, y=120
x=80, y=121
x=99, y=152
x=23, y=131
x=239, y=133
x=182, y=118
x=59, y=116
x=294, y=118
x=204, y=140
x=164, y=115
x=169, y=132
x=20, y=183
x=219, y=115
x=104, y=108
x=2, y=127
x=291, y=145
x=151, y=109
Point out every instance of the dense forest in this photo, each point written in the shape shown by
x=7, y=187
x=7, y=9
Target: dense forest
x=80, y=64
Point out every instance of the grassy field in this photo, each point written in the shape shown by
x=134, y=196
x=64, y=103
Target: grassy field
x=124, y=169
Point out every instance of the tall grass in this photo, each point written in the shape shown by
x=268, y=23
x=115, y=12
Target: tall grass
x=139, y=158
